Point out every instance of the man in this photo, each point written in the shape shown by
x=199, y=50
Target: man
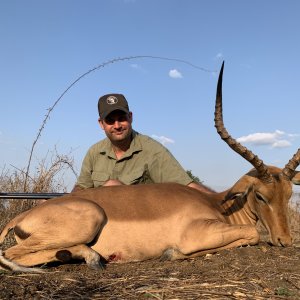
x=125, y=156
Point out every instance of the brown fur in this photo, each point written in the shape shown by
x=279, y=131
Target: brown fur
x=131, y=223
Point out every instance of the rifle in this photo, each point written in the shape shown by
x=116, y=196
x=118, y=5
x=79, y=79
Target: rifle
x=35, y=196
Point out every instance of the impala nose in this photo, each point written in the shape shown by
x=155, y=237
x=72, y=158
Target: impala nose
x=284, y=241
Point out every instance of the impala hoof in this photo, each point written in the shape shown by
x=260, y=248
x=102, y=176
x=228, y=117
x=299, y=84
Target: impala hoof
x=97, y=266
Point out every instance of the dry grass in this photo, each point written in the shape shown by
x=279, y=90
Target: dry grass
x=47, y=177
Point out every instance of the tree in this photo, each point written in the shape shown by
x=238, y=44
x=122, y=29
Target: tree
x=195, y=178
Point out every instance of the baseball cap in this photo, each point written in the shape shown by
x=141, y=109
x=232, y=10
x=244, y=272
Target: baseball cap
x=111, y=102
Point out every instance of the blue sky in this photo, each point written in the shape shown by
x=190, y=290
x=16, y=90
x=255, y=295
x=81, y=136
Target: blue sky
x=46, y=45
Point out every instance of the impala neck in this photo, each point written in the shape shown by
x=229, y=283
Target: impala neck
x=238, y=211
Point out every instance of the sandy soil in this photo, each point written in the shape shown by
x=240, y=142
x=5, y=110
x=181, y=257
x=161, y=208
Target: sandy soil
x=257, y=272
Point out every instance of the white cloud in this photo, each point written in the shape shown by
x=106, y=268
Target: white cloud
x=276, y=139
x=281, y=144
x=175, y=74
x=163, y=140
x=293, y=135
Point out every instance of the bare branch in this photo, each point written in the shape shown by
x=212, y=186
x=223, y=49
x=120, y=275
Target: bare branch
x=47, y=116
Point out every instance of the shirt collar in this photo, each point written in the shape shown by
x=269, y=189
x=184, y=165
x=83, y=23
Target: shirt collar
x=135, y=146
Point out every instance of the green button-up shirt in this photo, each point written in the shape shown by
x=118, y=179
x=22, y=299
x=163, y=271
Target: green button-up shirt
x=146, y=161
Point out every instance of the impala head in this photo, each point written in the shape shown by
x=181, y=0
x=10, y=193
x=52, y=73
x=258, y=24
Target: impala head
x=265, y=189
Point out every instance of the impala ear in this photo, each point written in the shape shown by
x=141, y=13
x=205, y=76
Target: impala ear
x=238, y=191
x=233, y=196
x=296, y=178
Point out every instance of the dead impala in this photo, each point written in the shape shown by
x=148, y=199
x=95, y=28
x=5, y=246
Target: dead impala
x=171, y=221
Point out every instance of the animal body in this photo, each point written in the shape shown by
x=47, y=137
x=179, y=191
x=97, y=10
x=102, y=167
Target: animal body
x=170, y=221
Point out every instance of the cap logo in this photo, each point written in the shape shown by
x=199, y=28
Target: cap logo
x=112, y=100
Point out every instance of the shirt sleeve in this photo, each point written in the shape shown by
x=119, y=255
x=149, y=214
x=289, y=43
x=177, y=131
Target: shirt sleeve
x=166, y=168
x=85, y=178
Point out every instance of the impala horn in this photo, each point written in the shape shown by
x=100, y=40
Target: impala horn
x=263, y=172
x=289, y=169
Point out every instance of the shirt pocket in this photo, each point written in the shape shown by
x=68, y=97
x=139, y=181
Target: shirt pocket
x=141, y=176
x=99, y=178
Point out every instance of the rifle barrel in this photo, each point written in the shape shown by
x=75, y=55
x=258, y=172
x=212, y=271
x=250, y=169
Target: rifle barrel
x=30, y=195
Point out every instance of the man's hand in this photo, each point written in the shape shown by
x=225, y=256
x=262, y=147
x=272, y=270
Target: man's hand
x=112, y=182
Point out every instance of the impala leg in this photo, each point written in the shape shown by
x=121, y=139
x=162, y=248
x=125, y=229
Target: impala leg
x=91, y=257
x=50, y=239
x=65, y=255
x=209, y=236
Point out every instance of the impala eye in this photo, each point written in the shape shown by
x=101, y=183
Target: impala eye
x=260, y=198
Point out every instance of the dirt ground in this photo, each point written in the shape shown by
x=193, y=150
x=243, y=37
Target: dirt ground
x=257, y=272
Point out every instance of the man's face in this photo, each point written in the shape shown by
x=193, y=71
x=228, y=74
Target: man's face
x=117, y=125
